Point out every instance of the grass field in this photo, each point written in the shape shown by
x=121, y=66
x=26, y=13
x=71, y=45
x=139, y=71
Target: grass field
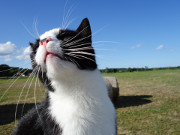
x=149, y=102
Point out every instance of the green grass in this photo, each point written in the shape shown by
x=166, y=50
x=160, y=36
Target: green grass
x=149, y=102
x=156, y=114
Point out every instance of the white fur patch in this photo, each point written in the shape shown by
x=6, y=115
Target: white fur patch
x=40, y=56
x=50, y=34
x=81, y=106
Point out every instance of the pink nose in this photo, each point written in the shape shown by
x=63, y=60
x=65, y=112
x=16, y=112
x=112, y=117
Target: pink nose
x=45, y=42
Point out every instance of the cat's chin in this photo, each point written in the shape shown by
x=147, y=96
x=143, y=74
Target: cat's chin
x=57, y=68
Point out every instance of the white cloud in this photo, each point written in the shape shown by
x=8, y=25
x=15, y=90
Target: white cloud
x=7, y=48
x=25, y=54
x=9, y=52
x=160, y=47
x=137, y=46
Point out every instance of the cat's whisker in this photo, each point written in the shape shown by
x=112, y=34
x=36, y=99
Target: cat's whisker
x=6, y=69
x=42, y=73
x=73, y=42
x=35, y=96
x=65, y=43
x=11, y=85
x=63, y=21
x=114, y=42
x=69, y=45
x=78, y=45
x=35, y=25
x=71, y=9
x=19, y=64
x=78, y=49
x=15, y=74
x=67, y=16
x=95, y=42
x=18, y=71
x=28, y=31
x=83, y=48
x=49, y=84
x=34, y=63
x=38, y=79
x=86, y=53
x=35, y=88
x=40, y=87
x=33, y=76
x=80, y=56
x=73, y=61
x=69, y=23
x=19, y=98
x=32, y=60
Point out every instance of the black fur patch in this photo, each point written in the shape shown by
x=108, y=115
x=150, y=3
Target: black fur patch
x=38, y=122
x=80, y=42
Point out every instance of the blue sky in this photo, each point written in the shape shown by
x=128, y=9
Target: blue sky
x=139, y=32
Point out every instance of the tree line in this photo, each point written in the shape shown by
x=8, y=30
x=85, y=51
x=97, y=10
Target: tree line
x=115, y=70
x=7, y=71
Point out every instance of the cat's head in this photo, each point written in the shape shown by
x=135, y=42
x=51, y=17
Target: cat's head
x=60, y=51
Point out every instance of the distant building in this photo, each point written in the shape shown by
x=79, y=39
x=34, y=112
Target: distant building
x=29, y=74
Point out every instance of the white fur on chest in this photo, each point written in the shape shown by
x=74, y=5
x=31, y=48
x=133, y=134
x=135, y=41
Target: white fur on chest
x=81, y=106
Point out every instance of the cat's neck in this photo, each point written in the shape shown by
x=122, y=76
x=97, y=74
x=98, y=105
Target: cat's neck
x=90, y=82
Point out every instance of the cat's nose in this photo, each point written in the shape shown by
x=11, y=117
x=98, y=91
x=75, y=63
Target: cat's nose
x=45, y=42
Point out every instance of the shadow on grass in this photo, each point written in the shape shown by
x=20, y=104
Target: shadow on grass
x=7, y=112
x=127, y=101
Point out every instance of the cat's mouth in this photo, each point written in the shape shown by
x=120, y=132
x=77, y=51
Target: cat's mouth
x=51, y=55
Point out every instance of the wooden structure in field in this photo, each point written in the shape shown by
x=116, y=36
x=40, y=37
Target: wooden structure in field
x=113, y=88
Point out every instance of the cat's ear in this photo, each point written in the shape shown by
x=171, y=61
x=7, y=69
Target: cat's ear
x=34, y=46
x=84, y=28
x=31, y=44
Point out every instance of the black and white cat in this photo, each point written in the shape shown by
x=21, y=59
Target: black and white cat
x=77, y=101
